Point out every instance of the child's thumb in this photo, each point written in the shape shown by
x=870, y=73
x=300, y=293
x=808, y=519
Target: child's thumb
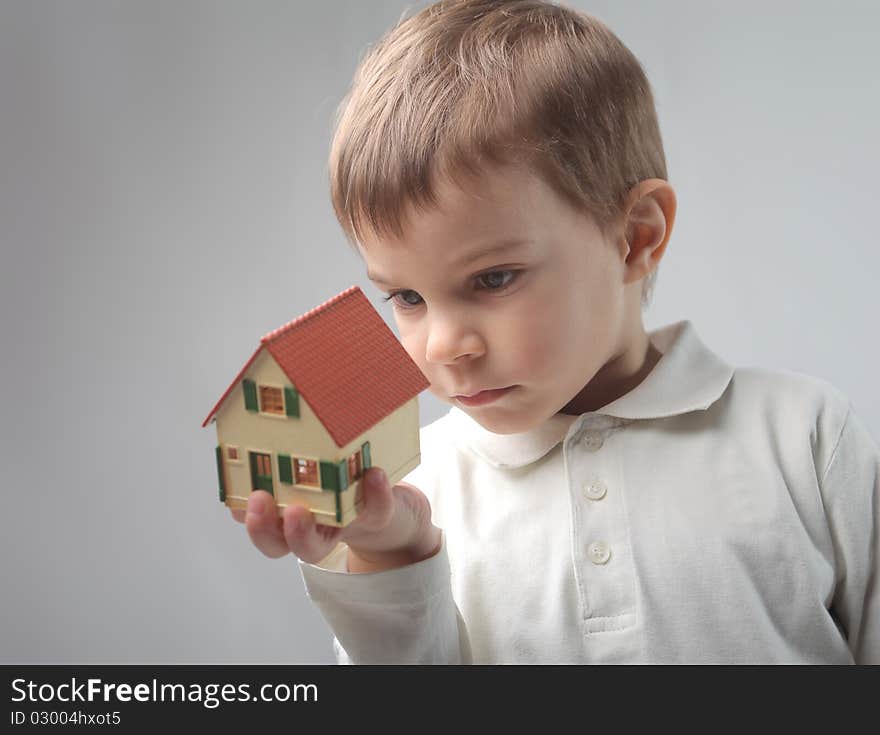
x=377, y=501
x=393, y=527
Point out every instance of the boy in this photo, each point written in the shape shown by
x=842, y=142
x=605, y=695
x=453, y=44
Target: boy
x=596, y=494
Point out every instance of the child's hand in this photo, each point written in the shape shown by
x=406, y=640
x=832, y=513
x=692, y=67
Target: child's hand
x=393, y=527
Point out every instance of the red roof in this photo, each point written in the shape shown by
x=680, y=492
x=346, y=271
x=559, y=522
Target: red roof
x=345, y=362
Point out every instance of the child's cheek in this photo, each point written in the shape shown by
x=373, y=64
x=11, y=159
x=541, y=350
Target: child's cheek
x=414, y=345
x=528, y=339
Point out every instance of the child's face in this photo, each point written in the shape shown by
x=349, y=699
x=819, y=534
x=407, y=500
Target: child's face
x=540, y=314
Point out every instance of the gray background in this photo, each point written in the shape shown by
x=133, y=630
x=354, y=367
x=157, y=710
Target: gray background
x=163, y=200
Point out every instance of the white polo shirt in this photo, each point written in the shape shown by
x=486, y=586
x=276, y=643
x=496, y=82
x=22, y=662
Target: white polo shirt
x=710, y=515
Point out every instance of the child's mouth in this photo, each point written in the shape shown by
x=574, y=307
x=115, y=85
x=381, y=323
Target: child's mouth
x=484, y=397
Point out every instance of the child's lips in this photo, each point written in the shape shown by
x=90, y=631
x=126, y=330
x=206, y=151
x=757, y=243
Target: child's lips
x=484, y=397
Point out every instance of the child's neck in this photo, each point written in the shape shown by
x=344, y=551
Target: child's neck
x=616, y=378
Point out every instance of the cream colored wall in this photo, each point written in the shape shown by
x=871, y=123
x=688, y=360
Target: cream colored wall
x=394, y=446
x=266, y=433
x=394, y=441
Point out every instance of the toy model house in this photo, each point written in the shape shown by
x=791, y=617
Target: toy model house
x=322, y=399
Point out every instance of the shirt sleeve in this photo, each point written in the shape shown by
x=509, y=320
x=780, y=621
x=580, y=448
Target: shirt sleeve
x=400, y=616
x=851, y=493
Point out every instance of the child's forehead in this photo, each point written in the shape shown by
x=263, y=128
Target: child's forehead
x=495, y=182
x=472, y=205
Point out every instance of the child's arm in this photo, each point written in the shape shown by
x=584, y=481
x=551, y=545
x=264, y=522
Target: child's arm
x=850, y=488
x=403, y=616
x=396, y=606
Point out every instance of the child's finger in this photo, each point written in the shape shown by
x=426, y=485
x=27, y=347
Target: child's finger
x=390, y=516
x=378, y=504
x=263, y=525
x=306, y=539
x=238, y=514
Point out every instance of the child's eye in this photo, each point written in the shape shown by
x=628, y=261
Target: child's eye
x=495, y=280
x=400, y=301
x=491, y=281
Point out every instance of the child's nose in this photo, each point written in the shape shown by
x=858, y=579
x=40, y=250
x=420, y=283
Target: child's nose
x=451, y=339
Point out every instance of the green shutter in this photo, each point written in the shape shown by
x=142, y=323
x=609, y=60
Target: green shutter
x=366, y=461
x=285, y=470
x=329, y=476
x=334, y=475
x=250, y=395
x=291, y=401
x=342, y=467
x=219, y=453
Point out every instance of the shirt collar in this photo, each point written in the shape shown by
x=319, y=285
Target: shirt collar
x=688, y=377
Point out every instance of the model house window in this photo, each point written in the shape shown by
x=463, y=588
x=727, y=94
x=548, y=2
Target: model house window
x=268, y=399
x=354, y=466
x=271, y=400
x=232, y=453
x=306, y=472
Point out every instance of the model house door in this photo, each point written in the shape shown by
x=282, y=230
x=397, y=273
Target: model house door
x=261, y=472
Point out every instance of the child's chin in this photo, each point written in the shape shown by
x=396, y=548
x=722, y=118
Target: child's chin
x=500, y=422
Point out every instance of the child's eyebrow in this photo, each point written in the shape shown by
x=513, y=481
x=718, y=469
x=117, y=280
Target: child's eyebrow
x=500, y=246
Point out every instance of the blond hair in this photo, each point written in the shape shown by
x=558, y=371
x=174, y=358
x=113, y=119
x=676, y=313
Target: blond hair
x=466, y=83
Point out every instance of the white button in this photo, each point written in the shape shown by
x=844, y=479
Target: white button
x=598, y=552
x=592, y=440
x=595, y=490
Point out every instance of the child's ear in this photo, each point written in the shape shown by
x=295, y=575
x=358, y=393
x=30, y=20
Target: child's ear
x=650, y=216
